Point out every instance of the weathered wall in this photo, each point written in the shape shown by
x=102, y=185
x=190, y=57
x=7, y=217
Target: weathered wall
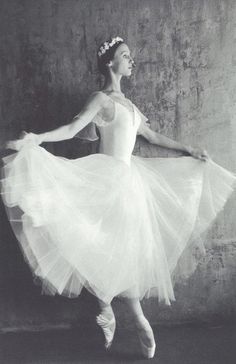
x=184, y=82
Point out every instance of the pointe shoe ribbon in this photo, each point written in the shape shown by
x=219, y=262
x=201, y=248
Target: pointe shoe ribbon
x=108, y=326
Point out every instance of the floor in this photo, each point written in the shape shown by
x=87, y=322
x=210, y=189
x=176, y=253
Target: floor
x=189, y=344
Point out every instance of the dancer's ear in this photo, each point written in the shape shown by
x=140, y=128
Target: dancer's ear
x=109, y=64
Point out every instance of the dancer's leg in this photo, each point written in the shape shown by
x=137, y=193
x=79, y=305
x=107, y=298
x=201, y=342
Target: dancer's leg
x=106, y=320
x=106, y=309
x=135, y=308
x=142, y=324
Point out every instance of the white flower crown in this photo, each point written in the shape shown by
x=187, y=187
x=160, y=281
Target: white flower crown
x=108, y=45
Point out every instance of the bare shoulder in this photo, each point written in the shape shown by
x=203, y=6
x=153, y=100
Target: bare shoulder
x=97, y=98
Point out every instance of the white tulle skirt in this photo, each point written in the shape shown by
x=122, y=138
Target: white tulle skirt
x=115, y=229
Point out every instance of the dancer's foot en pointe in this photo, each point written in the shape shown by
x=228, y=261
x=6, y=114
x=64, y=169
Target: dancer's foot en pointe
x=106, y=320
x=146, y=337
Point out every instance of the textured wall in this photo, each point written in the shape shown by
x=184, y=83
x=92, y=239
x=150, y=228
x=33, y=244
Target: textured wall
x=184, y=82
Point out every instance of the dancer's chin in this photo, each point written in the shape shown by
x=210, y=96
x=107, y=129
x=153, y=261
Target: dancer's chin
x=129, y=73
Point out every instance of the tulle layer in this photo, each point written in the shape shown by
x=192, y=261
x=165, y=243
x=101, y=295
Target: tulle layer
x=115, y=229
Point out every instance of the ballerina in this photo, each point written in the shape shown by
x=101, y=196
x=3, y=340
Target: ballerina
x=123, y=221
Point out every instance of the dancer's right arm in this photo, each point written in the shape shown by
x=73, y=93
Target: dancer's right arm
x=93, y=105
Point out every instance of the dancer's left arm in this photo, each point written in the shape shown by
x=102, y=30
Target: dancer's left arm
x=156, y=138
x=95, y=103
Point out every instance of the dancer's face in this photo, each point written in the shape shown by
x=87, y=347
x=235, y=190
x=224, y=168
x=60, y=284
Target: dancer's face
x=122, y=62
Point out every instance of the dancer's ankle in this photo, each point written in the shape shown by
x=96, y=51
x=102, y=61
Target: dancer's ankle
x=145, y=331
x=139, y=319
x=107, y=311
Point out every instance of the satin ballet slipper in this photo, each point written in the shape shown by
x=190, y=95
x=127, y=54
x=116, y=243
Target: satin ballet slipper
x=145, y=331
x=108, y=326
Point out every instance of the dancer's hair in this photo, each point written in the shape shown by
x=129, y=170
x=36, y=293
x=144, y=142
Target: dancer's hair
x=106, y=53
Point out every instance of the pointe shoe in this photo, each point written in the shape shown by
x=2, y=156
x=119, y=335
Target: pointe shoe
x=108, y=326
x=145, y=330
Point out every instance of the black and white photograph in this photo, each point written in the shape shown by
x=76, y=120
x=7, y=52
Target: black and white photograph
x=118, y=181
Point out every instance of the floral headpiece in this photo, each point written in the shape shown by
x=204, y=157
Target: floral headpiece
x=107, y=45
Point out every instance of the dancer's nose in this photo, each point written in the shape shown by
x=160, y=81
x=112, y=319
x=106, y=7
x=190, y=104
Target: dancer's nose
x=133, y=63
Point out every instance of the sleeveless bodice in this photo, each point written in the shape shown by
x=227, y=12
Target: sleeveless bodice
x=117, y=137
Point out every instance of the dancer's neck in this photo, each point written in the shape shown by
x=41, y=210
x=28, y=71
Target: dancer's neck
x=112, y=84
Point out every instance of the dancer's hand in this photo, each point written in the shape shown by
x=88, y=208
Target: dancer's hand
x=198, y=153
x=24, y=139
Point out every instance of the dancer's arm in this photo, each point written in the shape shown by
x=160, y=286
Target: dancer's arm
x=156, y=138
x=94, y=104
x=68, y=131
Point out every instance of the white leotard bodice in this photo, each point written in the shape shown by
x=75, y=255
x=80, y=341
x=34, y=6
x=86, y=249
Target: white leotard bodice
x=117, y=137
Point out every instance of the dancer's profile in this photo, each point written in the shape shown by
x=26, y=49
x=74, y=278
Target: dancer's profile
x=112, y=222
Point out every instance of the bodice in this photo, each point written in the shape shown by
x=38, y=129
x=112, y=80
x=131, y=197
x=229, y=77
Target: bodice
x=117, y=136
x=118, y=122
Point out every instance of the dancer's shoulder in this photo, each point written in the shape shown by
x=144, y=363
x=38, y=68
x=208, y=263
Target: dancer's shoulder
x=99, y=97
